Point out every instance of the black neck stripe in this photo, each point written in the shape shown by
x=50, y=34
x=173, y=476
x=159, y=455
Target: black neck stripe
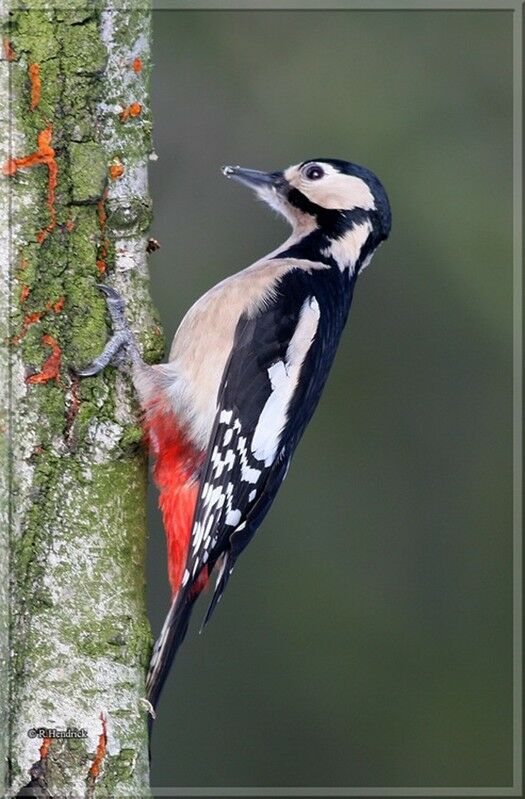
x=312, y=247
x=334, y=223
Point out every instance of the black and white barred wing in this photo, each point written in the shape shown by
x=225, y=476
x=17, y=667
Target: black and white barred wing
x=250, y=444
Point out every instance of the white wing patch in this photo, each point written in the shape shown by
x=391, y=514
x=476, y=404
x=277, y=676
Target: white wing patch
x=235, y=458
x=233, y=517
x=283, y=378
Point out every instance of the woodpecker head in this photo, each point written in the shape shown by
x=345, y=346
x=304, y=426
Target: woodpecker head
x=331, y=195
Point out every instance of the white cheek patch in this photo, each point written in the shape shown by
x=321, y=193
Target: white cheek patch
x=335, y=191
x=347, y=249
x=283, y=378
x=339, y=192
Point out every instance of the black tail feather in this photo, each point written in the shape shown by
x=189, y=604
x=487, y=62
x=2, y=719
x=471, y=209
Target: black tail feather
x=166, y=647
x=222, y=580
x=173, y=633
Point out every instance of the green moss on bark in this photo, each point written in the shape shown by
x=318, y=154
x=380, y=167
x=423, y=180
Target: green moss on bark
x=88, y=171
x=35, y=35
x=83, y=48
x=78, y=561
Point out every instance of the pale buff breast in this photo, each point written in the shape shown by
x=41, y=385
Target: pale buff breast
x=203, y=342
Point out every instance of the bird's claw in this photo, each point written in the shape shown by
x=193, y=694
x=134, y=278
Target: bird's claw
x=121, y=342
x=116, y=306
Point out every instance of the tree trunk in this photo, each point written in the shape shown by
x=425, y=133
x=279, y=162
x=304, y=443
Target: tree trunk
x=74, y=186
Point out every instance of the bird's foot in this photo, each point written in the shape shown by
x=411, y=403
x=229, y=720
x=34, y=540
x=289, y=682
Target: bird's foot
x=121, y=344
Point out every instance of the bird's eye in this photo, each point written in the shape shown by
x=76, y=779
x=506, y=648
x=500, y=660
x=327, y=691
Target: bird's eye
x=314, y=172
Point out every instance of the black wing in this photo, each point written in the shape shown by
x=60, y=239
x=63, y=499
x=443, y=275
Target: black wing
x=279, y=364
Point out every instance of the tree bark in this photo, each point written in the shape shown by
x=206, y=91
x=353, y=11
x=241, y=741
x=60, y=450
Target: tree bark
x=4, y=429
x=74, y=191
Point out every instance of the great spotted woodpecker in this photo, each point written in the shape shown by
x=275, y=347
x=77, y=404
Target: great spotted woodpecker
x=246, y=369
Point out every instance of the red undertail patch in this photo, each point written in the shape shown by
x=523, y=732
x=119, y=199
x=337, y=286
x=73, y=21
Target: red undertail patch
x=201, y=582
x=176, y=461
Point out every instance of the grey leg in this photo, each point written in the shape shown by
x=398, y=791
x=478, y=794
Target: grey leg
x=122, y=342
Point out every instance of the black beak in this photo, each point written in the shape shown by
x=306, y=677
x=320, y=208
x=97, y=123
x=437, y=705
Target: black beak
x=253, y=178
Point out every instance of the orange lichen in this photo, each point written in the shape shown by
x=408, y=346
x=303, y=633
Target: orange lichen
x=51, y=368
x=24, y=292
x=9, y=53
x=29, y=320
x=100, y=754
x=101, y=210
x=36, y=316
x=58, y=305
x=116, y=171
x=44, y=749
x=44, y=154
x=74, y=405
x=36, y=84
x=133, y=110
x=70, y=225
x=137, y=65
x=104, y=242
x=51, y=189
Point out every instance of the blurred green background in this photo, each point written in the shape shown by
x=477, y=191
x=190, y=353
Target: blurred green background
x=365, y=637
